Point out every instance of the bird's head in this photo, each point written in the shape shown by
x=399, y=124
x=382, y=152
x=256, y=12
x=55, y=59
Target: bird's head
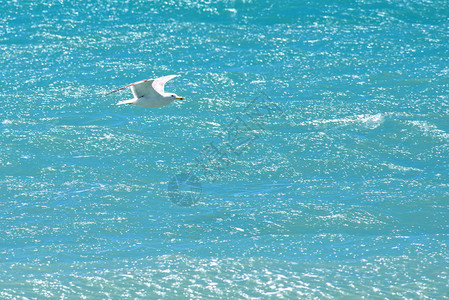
x=175, y=97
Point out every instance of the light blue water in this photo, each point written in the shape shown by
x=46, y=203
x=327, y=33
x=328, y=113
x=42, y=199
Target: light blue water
x=339, y=189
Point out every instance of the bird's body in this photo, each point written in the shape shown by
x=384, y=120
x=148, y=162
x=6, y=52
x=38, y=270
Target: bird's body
x=150, y=92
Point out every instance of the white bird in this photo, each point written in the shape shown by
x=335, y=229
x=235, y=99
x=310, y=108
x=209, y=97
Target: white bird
x=149, y=92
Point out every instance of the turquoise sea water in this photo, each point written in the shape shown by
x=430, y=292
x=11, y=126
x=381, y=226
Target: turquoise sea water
x=309, y=158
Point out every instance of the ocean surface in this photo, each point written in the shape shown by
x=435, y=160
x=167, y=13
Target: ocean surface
x=308, y=159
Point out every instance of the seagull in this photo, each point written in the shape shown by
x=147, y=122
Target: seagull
x=149, y=92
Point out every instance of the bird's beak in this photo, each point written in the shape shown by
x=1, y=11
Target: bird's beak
x=179, y=98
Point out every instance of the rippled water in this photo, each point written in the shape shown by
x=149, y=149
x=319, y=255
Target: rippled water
x=308, y=160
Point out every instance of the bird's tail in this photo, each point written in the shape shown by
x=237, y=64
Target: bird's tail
x=131, y=101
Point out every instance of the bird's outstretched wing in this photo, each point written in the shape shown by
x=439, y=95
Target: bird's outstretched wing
x=146, y=87
x=158, y=83
x=143, y=88
x=130, y=85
